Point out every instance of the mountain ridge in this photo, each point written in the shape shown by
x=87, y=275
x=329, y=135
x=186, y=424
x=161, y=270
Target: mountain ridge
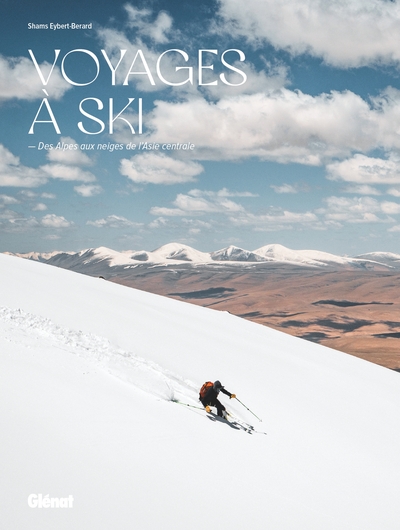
x=104, y=259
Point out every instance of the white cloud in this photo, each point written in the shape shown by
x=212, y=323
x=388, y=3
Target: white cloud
x=200, y=205
x=285, y=188
x=395, y=192
x=359, y=210
x=8, y=214
x=55, y=221
x=113, y=41
x=146, y=31
x=29, y=195
x=366, y=170
x=390, y=208
x=344, y=33
x=224, y=192
x=186, y=205
x=70, y=156
x=198, y=202
x=19, y=79
x=17, y=223
x=276, y=220
x=160, y=222
x=21, y=224
x=336, y=212
x=64, y=172
x=283, y=126
x=262, y=118
x=169, y=212
x=142, y=66
x=272, y=78
x=197, y=224
x=141, y=20
x=113, y=221
x=39, y=207
x=191, y=226
x=13, y=173
x=362, y=189
x=6, y=199
x=159, y=169
x=88, y=190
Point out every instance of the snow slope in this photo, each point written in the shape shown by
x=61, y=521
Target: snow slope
x=87, y=372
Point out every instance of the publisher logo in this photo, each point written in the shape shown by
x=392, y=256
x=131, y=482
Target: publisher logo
x=38, y=500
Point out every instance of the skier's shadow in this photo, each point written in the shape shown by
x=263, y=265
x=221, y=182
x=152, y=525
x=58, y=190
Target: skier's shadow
x=214, y=417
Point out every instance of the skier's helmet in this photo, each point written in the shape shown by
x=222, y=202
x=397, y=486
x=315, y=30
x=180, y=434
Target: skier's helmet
x=217, y=385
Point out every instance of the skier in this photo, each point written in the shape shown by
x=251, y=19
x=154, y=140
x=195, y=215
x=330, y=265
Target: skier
x=209, y=397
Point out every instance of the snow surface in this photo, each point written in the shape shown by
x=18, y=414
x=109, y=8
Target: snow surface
x=88, y=369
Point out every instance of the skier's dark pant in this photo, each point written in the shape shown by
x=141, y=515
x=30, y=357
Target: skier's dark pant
x=218, y=404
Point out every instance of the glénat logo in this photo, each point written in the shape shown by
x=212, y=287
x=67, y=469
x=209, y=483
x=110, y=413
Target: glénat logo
x=38, y=500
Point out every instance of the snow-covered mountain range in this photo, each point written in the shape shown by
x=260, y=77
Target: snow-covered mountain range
x=88, y=372
x=99, y=261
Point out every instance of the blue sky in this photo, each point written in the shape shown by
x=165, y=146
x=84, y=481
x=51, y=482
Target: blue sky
x=299, y=145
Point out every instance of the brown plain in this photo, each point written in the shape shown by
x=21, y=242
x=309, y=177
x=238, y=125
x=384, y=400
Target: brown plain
x=357, y=312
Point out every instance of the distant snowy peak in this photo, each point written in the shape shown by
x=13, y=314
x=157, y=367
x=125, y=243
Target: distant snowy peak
x=386, y=258
x=316, y=258
x=274, y=250
x=113, y=257
x=281, y=253
x=40, y=256
x=180, y=252
x=102, y=255
x=99, y=261
x=233, y=253
x=302, y=257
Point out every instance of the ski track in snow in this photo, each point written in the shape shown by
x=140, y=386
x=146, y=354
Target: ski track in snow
x=126, y=365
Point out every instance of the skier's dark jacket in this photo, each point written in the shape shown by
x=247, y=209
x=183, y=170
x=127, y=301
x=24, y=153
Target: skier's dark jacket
x=212, y=394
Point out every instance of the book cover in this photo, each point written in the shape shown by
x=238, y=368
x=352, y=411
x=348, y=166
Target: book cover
x=242, y=156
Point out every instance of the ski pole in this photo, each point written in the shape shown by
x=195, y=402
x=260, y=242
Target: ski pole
x=259, y=419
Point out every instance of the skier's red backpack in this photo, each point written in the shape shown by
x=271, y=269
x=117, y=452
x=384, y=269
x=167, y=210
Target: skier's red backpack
x=204, y=389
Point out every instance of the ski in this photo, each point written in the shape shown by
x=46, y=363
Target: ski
x=232, y=421
x=246, y=426
x=230, y=418
x=243, y=425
